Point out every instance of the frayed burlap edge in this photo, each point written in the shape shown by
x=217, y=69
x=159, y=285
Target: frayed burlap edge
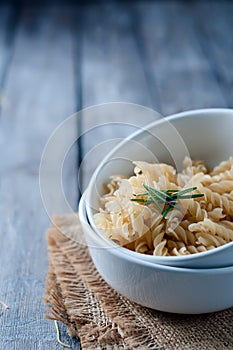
x=75, y=305
x=77, y=276
x=103, y=319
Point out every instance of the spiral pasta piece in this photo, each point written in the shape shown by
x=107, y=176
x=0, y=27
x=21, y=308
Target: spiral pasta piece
x=222, y=167
x=213, y=228
x=216, y=200
x=159, y=245
x=221, y=187
x=195, y=210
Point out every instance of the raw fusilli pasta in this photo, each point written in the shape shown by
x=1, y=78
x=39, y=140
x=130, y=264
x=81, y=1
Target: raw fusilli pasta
x=199, y=224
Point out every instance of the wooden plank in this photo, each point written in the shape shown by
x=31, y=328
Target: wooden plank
x=215, y=24
x=182, y=73
x=40, y=91
x=160, y=40
x=8, y=25
x=112, y=71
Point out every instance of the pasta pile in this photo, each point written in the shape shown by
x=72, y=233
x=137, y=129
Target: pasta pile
x=198, y=225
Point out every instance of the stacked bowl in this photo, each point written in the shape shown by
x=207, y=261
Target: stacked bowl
x=190, y=284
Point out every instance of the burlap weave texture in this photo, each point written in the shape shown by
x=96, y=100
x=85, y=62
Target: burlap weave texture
x=102, y=319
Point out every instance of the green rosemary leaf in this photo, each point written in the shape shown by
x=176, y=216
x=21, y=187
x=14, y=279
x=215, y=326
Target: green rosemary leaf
x=173, y=205
x=141, y=194
x=154, y=197
x=157, y=205
x=166, y=211
x=169, y=191
x=181, y=192
x=165, y=200
x=196, y=195
x=157, y=193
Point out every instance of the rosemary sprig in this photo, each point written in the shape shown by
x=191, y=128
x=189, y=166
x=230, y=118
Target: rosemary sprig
x=165, y=200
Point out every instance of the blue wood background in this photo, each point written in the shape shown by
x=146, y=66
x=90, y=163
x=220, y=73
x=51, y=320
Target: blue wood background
x=57, y=59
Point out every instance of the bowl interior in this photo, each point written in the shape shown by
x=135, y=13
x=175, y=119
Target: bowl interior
x=201, y=134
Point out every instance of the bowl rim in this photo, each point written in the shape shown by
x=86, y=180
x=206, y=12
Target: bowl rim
x=180, y=115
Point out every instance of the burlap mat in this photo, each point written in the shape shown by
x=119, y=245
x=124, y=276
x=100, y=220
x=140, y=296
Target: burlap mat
x=102, y=319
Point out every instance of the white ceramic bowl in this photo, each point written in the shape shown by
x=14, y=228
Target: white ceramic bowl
x=165, y=288
x=201, y=134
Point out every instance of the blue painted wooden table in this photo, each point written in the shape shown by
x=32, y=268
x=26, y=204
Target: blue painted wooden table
x=57, y=59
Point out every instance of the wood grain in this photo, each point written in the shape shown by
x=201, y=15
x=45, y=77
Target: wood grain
x=112, y=71
x=215, y=23
x=182, y=73
x=8, y=27
x=40, y=91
